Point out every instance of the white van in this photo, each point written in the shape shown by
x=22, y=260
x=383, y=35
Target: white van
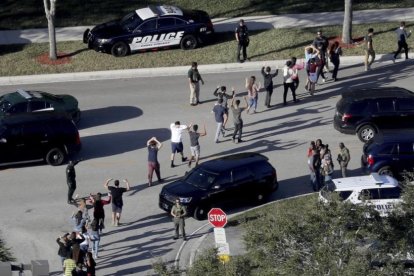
x=382, y=191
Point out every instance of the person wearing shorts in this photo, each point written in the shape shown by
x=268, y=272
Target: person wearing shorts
x=194, y=145
x=117, y=202
x=176, y=141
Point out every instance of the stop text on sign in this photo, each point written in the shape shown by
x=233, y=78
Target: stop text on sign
x=217, y=217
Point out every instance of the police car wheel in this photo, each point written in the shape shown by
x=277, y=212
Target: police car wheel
x=188, y=42
x=119, y=49
x=386, y=171
x=55, y=157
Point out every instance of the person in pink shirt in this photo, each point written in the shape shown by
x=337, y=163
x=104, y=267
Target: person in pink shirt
x=296, y=67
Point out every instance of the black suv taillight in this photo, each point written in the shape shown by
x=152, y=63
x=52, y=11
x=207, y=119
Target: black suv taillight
x=346, y=117
x=78, y=141
x=210, y=25
x=370, y=160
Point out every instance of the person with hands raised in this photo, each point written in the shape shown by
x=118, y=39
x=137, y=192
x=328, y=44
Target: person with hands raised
x=117, y=202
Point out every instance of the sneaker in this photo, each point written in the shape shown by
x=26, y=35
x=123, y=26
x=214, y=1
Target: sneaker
x=217, y=141
x=160, y=180
x=240, y=141
x=183, y=159
x=233, y=140
x=393, y=59
x=172, y=165
x=189, y=164
x=175, y=238
x=323, y=80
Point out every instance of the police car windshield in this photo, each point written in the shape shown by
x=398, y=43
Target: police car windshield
x=130, y=21
x=200, y=179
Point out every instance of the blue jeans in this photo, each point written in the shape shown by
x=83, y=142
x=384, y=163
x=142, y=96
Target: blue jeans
x=253, y=102
x=218, y=131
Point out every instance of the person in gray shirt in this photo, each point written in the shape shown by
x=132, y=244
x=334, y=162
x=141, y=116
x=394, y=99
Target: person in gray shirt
x=238, y=122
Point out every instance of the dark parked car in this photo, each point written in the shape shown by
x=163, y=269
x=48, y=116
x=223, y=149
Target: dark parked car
x=234, y=177
x=389, y=153
x=151, y=28
x=36, y=137
x=368, y=111
x=24, y=101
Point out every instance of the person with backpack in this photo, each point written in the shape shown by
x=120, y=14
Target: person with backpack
x=310, y=53
x=98, y=209
x=402, y=36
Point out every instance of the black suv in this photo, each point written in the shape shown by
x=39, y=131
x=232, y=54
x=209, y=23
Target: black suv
x=234, y=177
x=36, y=137
x=389, y=153
x=367, y=111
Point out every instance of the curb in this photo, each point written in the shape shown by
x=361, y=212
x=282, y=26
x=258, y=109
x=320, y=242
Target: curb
x=160, y=72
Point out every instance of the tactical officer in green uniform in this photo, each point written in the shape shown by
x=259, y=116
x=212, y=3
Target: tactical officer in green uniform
x=179, y=212
x=343, y=158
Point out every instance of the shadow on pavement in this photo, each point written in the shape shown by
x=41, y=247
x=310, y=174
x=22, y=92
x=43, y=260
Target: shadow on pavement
x=108, y=144
x=108, y=115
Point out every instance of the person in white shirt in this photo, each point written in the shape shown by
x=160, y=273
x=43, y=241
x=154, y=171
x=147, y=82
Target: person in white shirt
x=288, y=73
x=176, y=141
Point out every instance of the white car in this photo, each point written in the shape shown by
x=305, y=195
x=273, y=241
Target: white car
x=382, y=191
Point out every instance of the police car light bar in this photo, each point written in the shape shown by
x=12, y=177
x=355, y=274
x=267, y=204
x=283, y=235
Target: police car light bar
x=377, y=178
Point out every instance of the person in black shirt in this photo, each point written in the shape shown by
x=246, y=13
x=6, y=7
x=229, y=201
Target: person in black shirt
x=71, y=179
x=117, y=202
x=321, y=43
x=153, y=146
x=268, y=83
x=242, y=37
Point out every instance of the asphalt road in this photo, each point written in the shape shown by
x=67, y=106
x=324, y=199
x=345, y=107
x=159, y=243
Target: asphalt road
x=120, y=115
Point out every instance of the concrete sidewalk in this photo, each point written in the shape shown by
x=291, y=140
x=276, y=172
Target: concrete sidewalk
x=174, y=71
x=228, y=24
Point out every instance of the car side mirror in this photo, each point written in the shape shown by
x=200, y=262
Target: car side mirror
x=3, y=140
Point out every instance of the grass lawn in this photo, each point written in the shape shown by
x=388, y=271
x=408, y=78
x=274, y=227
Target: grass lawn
x=272, y=44
x=25, y=14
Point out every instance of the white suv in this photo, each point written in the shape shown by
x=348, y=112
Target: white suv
x=382, y=191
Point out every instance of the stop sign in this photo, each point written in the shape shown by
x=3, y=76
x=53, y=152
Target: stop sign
x=217, y=217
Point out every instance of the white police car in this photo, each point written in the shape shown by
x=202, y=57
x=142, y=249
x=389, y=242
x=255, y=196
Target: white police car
x=151, y=28
x=381, y=191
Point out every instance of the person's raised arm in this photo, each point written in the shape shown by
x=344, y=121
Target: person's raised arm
x=128, y=187
x=204, y=133
x=106, y=184
x=159, y=144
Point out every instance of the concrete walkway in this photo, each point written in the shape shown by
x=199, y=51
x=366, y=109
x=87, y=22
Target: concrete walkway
x=228, y=25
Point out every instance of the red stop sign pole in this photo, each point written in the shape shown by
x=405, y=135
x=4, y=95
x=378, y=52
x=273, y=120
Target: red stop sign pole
x=217, y=217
